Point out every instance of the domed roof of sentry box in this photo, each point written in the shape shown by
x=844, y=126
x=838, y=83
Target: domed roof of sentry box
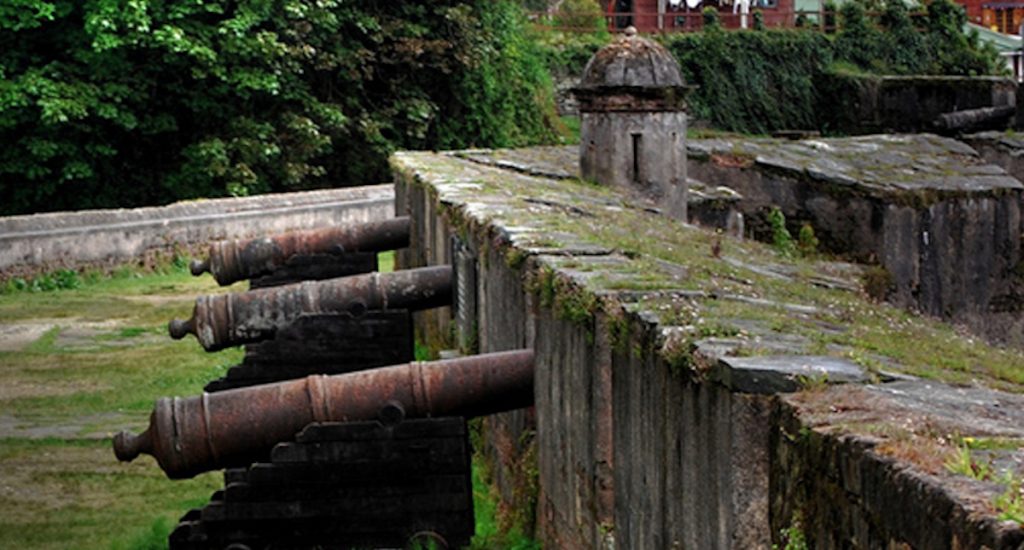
x=632, y=61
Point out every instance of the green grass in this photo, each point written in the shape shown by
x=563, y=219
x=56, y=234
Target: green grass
x=101, y=359
x=386, y=261
x=97, y=366
x=489, y=532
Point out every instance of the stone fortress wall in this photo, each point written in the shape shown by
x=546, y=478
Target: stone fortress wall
x=44, y=242
x=653, y=428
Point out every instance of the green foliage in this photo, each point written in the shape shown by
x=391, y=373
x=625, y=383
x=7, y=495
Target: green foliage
x=709, y=16
x=754, y=81
x=113, y=103
x=806, y=241
x=859, y=40
x=892, y=45
x=829, y=7
x=877, y=281
x=506, y=93
x=906, y=47
x=62, y=279
x=585, y=15
x=793, y=537
x=566, y=53
x=952, y=51
x=759, y=82
x=782, y=240
x=1010, y=504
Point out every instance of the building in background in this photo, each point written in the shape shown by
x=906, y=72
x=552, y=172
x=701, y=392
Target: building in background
x=1007, y=44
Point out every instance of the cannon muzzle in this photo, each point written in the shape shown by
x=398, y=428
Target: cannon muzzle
x=224, y=320
x=234, y=260
x=192, y=435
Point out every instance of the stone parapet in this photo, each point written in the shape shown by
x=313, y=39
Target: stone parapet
x=102, y=237
x=673, y=365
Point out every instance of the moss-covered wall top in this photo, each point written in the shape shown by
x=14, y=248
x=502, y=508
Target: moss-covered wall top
x=589, y=247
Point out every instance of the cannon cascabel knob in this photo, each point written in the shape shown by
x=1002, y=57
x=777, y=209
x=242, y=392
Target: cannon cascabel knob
x=127, y=446
x=198, y=267
x=179, y=328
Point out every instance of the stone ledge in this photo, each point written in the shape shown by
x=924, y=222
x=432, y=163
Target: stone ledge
x=666, y=305
x=784, y=373
x=71, y=239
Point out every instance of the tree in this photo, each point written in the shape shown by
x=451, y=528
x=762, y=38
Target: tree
x=129, y=102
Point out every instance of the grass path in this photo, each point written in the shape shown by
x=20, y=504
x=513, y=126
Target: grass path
x=79, y=365
x=76, y=366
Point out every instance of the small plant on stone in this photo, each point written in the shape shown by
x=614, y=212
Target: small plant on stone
x=961, y=462
x=793, y=537
x=1010, y=504
x=806, y=241
x=782, y=240
x=877, y=282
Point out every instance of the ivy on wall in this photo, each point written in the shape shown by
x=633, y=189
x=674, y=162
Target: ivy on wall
x=766, y=80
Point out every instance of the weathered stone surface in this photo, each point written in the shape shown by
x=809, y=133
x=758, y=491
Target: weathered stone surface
x=784, y=373
x=943, y=223
x=879, y=165
x=70, y=239
x=873, y=467
x=873, y=103
x=636, y=442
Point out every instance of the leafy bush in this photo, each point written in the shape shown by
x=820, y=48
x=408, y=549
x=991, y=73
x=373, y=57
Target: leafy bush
x=506, y=97
x=115, y=103
x=566, y=54
x=580, y=14
x=951, y=51
x=709, y=17
x=782, y=240
x=753, y=81
x=859, y=40
x=758, y=82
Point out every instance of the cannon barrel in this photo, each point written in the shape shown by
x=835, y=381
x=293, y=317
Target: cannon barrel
x=224, y=320
x=234, y=260
x=188, y=436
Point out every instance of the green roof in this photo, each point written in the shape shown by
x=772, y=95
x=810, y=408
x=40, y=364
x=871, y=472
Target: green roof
x=1002, y=42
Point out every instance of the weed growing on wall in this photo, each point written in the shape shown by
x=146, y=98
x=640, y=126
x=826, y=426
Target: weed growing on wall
x=1009, y=504
x=782, y=240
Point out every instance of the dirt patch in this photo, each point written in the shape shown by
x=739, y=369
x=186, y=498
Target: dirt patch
x=160, y=299
x=95, y=426
x=81, y=336
x=19, y=389
x=17, y=336
x=75, y=334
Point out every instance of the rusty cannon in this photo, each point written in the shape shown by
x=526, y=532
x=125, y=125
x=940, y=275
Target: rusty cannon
x=224, y=320
x=235, y=260
x=188, y=436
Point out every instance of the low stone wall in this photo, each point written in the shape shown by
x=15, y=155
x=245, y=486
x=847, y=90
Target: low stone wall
x=945, y=225
x=676, y=381
x=866, y=104
x=70, y=239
